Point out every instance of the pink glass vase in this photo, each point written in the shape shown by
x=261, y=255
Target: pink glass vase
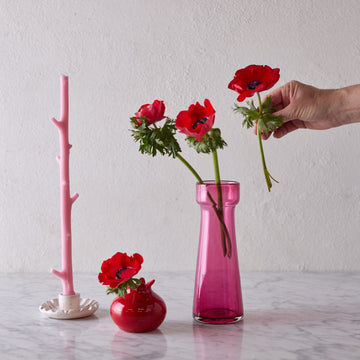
x=217, y=294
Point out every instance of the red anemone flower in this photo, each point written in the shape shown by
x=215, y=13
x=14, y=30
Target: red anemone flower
x=197, y=120
x=153, y=112
x=119, y=268
x=252, y=79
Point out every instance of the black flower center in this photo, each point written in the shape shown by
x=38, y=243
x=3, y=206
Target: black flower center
x=200, y=121
x=119, y=272
x=253, y=84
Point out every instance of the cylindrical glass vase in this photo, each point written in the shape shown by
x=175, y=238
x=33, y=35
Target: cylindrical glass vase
x=217, y=294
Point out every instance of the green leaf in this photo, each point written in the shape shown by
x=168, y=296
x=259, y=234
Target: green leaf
x=248, y=122
x=267, y=102
x=121, y=290
x=153, y=139
x=262, y=126
x=249, y=114
x=252, y=112
x=266, y=121
x=251, y=104
x=269, y=122
x=210, y=142
x=240, y=109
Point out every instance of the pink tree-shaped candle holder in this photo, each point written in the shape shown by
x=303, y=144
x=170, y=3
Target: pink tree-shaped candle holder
x=69, y=305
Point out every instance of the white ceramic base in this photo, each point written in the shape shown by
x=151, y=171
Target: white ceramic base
x=69, y=307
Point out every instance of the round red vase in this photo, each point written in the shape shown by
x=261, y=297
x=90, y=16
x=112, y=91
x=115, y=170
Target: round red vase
x=141, y=310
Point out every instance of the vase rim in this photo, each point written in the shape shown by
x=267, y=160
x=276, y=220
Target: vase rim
x=223, y=182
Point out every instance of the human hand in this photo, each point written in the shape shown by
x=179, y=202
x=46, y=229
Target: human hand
x=303, y=107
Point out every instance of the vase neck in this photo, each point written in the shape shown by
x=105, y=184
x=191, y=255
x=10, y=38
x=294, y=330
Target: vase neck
x=209, y=192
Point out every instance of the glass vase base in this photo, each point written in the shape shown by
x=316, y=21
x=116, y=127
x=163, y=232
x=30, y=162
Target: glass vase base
x=218, y=317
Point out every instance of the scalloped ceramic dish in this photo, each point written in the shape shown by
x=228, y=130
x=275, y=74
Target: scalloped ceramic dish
x=51, y=309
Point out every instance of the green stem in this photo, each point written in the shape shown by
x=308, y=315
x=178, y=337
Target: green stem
x=266, y=173
x=216, y=167
x=226, y=248
x=219, y=211
x=268, y=177
x=260, y=103
x=193, y=171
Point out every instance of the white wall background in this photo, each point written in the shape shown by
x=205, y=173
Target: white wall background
x=122, y=54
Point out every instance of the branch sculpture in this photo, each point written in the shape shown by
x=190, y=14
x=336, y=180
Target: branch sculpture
x=68, y=305
x=66, y=201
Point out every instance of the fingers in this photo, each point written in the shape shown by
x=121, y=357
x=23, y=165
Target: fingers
x=277, y=101
x=284, y=129
x=283, y=100
x=288, y=127
x=289, y=112
x=281, y=96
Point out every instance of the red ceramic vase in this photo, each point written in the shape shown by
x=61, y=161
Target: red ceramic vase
x=141, y=310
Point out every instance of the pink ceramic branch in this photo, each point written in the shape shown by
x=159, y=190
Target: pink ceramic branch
x=66, y=274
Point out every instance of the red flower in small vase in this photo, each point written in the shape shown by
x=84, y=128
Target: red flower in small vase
x=119, y=269
x=152, y=112
x=252, y=79
x=197, y=120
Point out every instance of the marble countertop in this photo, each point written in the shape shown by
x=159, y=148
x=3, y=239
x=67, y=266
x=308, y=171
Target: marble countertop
x=287, y=316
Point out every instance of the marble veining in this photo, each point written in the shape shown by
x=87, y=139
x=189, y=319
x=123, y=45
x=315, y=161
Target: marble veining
x=287, y=316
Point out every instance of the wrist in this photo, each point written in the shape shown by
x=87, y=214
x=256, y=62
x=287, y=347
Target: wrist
x=345, y=105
